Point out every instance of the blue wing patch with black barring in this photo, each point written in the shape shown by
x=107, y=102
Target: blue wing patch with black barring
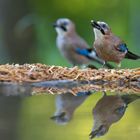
x=84, y=52
x=121, y=110
x=122, y=48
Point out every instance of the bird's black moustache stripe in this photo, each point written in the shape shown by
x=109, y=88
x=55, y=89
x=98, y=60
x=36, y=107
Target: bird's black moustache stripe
x=97, y=26
x=55, y=25
x=102, y=31
x=63, y=28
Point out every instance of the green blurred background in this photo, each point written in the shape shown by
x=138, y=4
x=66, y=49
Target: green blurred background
x=27, y=36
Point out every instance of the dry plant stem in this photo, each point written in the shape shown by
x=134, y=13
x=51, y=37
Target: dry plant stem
x=29, y=79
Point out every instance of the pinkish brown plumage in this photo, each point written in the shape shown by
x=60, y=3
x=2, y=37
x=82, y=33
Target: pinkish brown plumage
x=109, y=110
x=108, y=46
x=68, y=41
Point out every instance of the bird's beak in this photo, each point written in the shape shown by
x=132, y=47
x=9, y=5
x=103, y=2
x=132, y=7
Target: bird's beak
x=93, y=134
x=94, y=24
x=98, y=132
x=58, y=116
x=55, y=25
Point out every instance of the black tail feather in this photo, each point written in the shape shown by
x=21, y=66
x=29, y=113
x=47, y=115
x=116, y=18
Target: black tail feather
x=130, y=98
x=109, y=66
x=131, y=55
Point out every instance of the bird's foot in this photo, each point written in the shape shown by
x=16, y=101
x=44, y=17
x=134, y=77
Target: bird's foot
x=119, y=66
x=104, y=64
x=91, y=66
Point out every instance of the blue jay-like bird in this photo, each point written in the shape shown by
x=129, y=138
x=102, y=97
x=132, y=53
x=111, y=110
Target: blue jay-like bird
x=108, y=46
x=70, y=44
x=66, y=104
x=109, y=110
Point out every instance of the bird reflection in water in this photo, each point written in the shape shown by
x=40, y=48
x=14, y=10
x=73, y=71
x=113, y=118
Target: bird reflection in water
x=108, y=110
x=66, y=104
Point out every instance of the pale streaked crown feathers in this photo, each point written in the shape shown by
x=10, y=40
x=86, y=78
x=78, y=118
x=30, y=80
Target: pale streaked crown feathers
x=64, y=26
x=102, y=27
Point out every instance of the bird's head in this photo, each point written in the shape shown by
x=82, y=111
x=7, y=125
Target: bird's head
x=64, y=26
x=100, y=131
x=100, y=29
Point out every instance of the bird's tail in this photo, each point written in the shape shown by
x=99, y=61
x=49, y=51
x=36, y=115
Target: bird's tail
x=131, y=55
x=128, y=98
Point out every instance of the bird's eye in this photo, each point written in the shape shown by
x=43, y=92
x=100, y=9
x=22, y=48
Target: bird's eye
x=65, y=23
x=104, y=25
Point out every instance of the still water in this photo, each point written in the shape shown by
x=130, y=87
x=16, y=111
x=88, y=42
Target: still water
x=94, y=115
x=28, y=118
x=64, y=117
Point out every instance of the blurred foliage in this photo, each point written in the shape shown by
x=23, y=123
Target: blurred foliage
x=35, y=121
x=116, y=13
x=123, y=17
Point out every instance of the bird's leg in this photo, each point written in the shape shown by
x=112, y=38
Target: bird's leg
x=119, y=65
x=83, y=66
x=104, y=63
x=104, y=93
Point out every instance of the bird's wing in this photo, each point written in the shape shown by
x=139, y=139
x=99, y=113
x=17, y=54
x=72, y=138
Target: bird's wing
x=119, y=45
x=84, y=52
x=80, y=42
x=122, y=48
x=92, y=55
x=81, y=47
